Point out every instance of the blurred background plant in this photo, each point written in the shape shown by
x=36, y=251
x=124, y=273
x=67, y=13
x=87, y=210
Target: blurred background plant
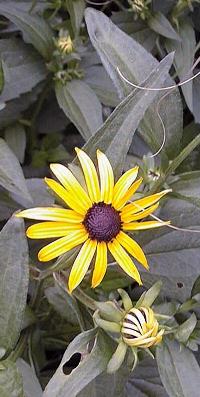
x=60, y=88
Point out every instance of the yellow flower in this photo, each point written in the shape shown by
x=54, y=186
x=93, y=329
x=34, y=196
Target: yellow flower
x=98, y=219
x=140, y=328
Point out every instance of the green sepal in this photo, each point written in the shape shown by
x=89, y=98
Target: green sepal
x=106, y=325
x=109, y=311
x=125, y=299
x=148, y=297
x=117, y=358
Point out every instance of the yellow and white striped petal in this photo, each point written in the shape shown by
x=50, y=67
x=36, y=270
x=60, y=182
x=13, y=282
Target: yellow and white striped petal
x=128, y=194
x=51, y=214
x=140, y=215
x=106, y=178
x=52, y=229
x=70, y=183
x=143, y=225
x=90, y=174
x=81, y=264
x=62, y=245
x=66, y=196
x=124, y=260
x=123, y=184
x=143, y=203
x=100, y=264
x=133, y=248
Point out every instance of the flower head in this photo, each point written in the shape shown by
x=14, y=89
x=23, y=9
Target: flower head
x=98, y=219
x=136, y=326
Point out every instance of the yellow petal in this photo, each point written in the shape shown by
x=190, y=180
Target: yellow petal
x=81, y=264
x=145, y=202
x=128, y=194
x=90, y=174
x=143, y=225
x=62, y=245
x=133, y=248
x=51, y=214
x=100, y=264
x=139, y=215
x=124, y=260
x=52, y=229
x=123, y=185
x=70, y=183
x=106, y=177
x=69, y=198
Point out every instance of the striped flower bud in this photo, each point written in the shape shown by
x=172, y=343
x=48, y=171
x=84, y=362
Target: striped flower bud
x=140, y=328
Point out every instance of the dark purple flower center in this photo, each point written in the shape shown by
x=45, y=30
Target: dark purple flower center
x=102, y=222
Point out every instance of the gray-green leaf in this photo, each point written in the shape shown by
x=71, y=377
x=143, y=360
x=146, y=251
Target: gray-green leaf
x=31, y=385
x=81, y=105
x=91, y=365
x=34, y=28
x=11, y=175
x=117, y=49
x=10, y=380
x=15, y=137
x=115, y=136
x=179, y=370
x=14, y=281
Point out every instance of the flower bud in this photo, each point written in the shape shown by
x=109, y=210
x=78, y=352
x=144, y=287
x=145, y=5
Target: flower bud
x=140, y=328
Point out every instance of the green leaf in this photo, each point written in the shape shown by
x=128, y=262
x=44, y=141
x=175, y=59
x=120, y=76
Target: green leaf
x=179, y=371
x=12, y=109
x=184, y=330
x=196, y=287
x=1, y=77
x=117, y=49
x=11, y=175
x=15, y=137
x=23, y=68
x=115, y=136
x=184, y=57
x=34, y=28
x=10, y=380
x=108, y=385
x=14, y=281
x=160, y=24
x=76, y=10
x=91, y=365
x=100, y=82
x=81, y=106
x=65, y=304
x=31, y=385
x=144, y=381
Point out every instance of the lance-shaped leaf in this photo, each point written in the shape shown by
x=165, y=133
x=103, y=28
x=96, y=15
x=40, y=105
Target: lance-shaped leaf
x=91, y=365
x=179, y=370
x=31, y=385
x=118, y=50
x=81, y=105
x=13, y=282
x=34, y=28
x=24, y=68
x=15, y=137
x=115, y=136
x=184, y=58
x=76, y=11
x=11, y=175
x=10, y=380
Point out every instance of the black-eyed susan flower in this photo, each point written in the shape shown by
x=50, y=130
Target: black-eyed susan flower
x=136, y=326
x=98, y=219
